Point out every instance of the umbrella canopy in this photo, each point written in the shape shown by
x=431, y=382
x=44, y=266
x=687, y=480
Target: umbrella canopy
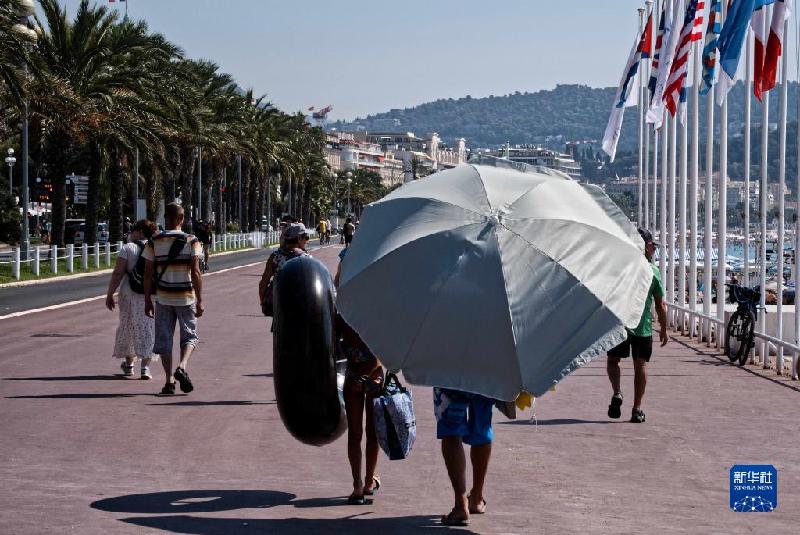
x=492, y=280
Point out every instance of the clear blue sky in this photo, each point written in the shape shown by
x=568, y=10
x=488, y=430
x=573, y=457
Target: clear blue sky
x=369, y=56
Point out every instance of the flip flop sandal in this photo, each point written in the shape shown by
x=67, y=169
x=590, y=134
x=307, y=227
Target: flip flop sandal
x=374, y=489
x=183, y=378
x=168, y=390
x=478, y=509
x=356, y=500
x=451, y=520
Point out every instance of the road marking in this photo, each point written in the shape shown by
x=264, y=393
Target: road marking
x=51, y=307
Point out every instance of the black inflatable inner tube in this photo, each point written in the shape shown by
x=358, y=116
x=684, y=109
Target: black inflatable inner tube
x=303, y=352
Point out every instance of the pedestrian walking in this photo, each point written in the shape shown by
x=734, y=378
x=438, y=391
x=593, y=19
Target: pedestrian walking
x=464, y=417
x=348, y=231
x=639, y=343
x=322, y=230
x=136, y=331
x=173, y=258
x=362, y=383
x=294, y=240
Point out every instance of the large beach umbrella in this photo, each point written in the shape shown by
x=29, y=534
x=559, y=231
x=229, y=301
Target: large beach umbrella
x=492, y=280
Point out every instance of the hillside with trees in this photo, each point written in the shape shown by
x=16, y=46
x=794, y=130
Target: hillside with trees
x=548, y=117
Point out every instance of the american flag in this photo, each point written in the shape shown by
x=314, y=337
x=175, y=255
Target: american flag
x=692, y=25
x=710, y=50
x=651, y=84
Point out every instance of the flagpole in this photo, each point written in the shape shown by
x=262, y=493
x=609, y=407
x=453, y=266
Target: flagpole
x=693, y=172
x=782, y=187
x=653, y=6
x=722, y=208
x=641, y=128
x=684, y=164
x=673, y=178
x=654, y=218
x=645, y=75
x=748, y=88
x=795, y=356
x=763, y=192
x=708, y=222
x=662, y=260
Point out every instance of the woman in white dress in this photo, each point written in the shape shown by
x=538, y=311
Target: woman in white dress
x=136, y=331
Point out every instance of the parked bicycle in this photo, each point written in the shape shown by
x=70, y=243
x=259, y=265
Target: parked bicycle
x=739, y=334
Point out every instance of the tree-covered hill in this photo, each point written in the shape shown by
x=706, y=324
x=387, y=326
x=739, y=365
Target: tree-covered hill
x=547, y=117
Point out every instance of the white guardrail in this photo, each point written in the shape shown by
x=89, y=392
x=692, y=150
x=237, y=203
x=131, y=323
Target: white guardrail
x=49, y=260
x=711, y=330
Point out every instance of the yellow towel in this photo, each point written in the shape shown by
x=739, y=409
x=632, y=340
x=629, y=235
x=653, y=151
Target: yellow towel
x=524, y=400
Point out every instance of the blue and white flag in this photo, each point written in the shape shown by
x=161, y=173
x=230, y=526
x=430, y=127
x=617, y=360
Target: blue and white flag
x=731, y=40
x=710, y=52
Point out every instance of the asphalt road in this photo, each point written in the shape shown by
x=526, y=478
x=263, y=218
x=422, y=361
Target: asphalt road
x=83, y=451
x=57, y=291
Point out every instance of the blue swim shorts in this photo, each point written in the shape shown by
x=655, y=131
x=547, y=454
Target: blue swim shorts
x=463, y=414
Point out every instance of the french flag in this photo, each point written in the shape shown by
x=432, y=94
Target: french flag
x=780, y=13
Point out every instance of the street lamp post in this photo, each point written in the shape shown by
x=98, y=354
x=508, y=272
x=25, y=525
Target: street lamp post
x=349, y=181
x=26, y=8
x=10, y=161
x=335, y=197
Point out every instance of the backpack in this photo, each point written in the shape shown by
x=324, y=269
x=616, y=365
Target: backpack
x=267, y=304
x=136, y=277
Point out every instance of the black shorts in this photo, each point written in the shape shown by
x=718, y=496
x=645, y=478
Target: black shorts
x=348, y=238
x=641, y=347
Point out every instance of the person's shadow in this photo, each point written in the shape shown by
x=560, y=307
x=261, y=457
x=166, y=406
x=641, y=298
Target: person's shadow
x=174, y=514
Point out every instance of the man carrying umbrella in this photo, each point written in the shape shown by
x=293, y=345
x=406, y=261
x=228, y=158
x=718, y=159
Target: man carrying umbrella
x=639, y=342
x=464, y=417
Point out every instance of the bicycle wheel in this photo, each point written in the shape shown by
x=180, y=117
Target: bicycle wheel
x=746, y=337
x=733, y=335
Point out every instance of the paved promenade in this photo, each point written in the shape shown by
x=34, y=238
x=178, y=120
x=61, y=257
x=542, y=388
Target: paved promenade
x=82, y=451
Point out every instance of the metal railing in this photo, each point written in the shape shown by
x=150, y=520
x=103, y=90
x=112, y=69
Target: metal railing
x=50, y=260
x=695, y=324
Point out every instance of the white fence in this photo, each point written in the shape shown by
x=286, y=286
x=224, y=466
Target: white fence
x=711, y=330
x=48, y=261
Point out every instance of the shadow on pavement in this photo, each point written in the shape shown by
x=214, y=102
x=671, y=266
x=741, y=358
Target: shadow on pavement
x=112, y=377
x=227, y=526
x=258, y=375
x=555, y=421
x=77, y=396
x=312, y=503
x=212, y=403
x=192, y=501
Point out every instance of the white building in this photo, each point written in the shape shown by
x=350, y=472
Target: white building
x=536, y=155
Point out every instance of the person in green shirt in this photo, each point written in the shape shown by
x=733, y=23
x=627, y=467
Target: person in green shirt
x=639, y=342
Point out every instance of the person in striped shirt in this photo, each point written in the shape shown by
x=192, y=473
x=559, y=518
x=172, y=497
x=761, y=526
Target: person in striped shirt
x=173, y=272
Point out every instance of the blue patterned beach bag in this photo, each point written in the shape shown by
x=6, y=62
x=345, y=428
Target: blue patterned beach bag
x=395, y=424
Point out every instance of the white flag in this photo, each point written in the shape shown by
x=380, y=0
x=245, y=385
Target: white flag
x=627, y=95
x=673, y=22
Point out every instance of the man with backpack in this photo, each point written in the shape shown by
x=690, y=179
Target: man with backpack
x=173, y=273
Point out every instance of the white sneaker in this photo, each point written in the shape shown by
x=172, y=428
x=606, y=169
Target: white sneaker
x=146, y=376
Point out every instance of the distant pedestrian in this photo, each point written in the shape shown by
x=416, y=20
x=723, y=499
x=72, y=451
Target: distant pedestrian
x=348, y=231
x=136, y=331
x=328, y=232
x=639, y=343
x=322, y=230
x=293, y=244
x=464, y=417
x=173, y=257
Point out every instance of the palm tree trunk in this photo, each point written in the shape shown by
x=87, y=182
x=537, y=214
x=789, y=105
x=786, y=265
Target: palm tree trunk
x=116, y=178
x=252, y=198
x=93, y=192
x=59, y=151
x=153, y=191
